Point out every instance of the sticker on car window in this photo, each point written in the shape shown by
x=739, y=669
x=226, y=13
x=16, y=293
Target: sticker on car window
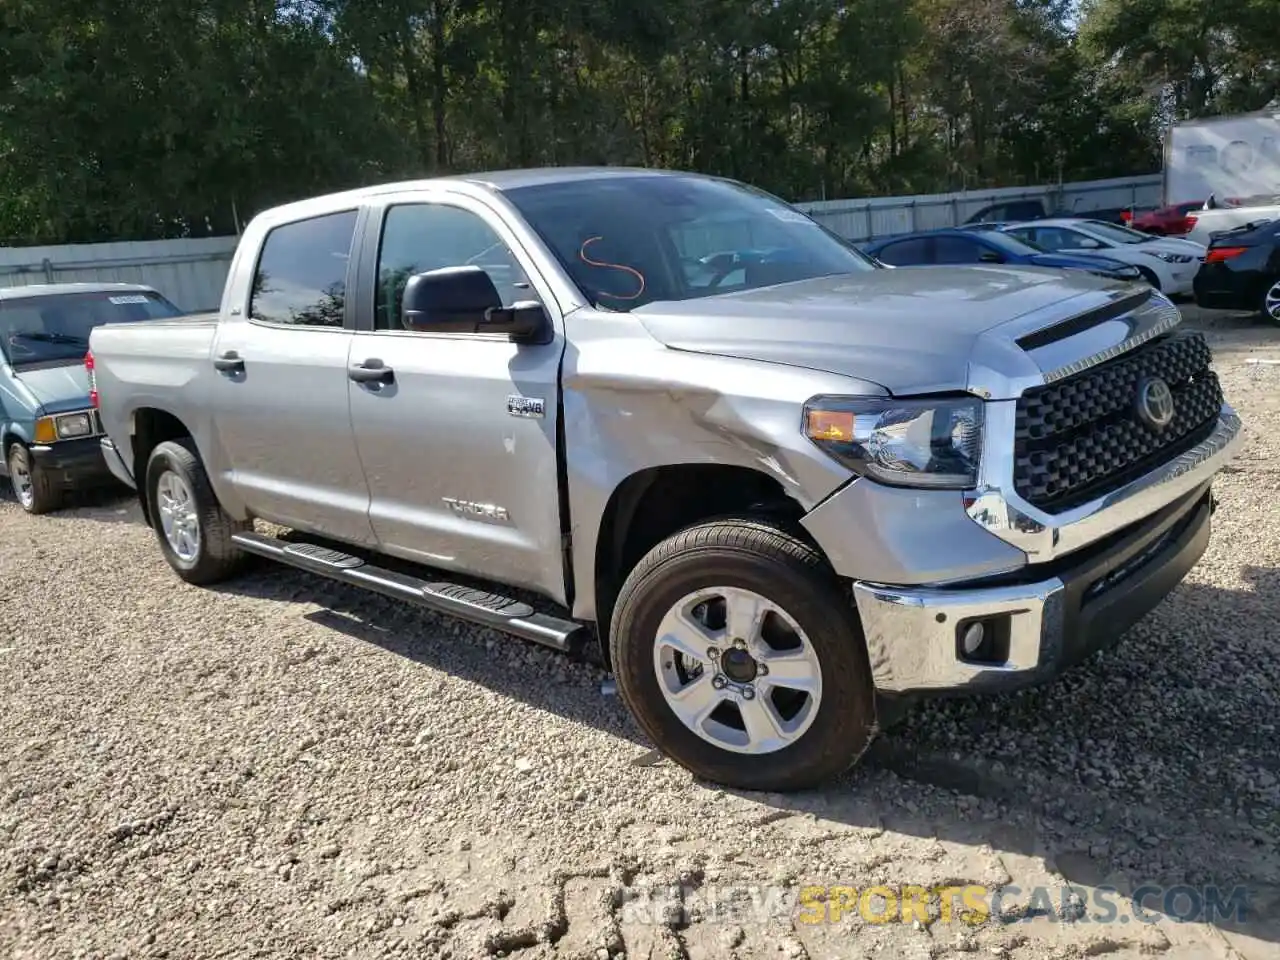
x=129, y=298
x=790, y=216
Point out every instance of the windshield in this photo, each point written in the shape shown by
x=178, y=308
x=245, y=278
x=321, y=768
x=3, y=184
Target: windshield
x=47, y=328
x=629, y=241
x=1116, y=233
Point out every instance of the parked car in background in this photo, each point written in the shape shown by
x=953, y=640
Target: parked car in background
x=1019, y=211
x=1249, y=210
x=1009, y=210
x=1174, y=221
x=1241, y=271
x=1169, y=264
x=49, y=430
x=972, y=246
x=774, y=497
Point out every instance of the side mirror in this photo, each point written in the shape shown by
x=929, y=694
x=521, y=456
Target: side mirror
x=990, y=256
x=464, y=300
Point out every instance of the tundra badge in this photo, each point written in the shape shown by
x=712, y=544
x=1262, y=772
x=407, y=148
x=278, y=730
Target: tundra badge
x=477, y=511
x=534, y=408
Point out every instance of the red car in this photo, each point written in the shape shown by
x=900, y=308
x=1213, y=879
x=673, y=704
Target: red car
x=1175, y=221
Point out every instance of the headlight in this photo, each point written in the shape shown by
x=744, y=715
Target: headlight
x=68, y=426
x=1118, y=273
x=906, y=443
x=1168, y=257
x=74, y=425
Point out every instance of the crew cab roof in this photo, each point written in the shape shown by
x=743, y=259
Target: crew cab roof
x=490, y=180
x=60, y=289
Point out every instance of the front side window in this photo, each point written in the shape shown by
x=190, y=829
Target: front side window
x=1054, y=239
x=627, y=241
x=53, y=329
x=956, y=250
x=1114, y=233
x=418, y=237
x=301, y=278
x=906, y=253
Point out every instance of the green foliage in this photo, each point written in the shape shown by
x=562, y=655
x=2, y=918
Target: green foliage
x=136, y=119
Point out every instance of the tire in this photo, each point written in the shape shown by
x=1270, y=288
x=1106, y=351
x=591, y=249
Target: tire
x=1149, y=275
x=212, y=557
x=757, y=559
x=1271, y=304
x=31, y=486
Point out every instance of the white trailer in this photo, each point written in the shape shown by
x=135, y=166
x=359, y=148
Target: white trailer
x=1228, y=157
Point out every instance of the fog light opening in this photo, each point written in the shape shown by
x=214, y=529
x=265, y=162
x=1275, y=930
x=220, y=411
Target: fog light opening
x=971, y=642
x=983, y=640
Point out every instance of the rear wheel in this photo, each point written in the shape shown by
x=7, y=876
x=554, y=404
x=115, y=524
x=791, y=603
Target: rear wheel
x=739, y=654
x=1271, y=303
x=193, y=529
x=31, y=485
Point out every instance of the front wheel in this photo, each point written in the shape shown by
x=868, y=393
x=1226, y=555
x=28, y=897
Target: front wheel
x=1271, y=303
x=31, y=485
x=193, y=529
x=1150, y=276
x=739, y=654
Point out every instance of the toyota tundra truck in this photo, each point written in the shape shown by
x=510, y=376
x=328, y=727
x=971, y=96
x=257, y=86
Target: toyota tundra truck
x=782, y=488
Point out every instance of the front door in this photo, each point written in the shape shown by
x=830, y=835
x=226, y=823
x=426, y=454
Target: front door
x=459, y=449
x=280, y=398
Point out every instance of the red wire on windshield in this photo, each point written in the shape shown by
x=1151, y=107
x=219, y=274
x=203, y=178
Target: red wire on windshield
x=582, y=255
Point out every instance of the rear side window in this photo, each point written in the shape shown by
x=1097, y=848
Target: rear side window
x=905, y=253
x=302, y=273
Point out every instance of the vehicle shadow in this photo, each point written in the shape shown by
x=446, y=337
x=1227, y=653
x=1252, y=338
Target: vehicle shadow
x=1143, y=794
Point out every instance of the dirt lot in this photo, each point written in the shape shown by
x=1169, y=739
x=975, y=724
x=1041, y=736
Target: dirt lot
x=287, y=768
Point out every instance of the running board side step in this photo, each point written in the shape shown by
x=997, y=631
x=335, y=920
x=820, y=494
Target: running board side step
x=466, y=603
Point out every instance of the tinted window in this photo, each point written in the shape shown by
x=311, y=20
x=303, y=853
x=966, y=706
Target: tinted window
x=906, y=253
x=1013, y=210
x=956, y=250
x=427, y=236
x=39, y=329
x=302, y=273
x=1054, y=239
x=631, y=240
x=1116, y=233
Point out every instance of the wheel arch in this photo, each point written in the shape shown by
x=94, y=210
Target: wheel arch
x=150, y=427
x=651, y=504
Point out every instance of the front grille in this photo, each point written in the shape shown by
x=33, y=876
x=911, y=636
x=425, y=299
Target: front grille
x=1081, y=437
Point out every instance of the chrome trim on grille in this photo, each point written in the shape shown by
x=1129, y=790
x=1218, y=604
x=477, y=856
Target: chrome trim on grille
x=996, y=506
x=1001, y=370
x=1172, y=317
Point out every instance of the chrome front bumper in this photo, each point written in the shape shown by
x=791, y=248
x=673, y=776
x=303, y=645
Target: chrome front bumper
x=1095, y=572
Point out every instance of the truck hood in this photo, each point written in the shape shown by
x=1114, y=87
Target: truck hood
x=56, y=388
x=909, y=331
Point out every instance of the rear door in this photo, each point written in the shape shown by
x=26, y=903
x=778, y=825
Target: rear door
x=280, y=402
x=460, y=449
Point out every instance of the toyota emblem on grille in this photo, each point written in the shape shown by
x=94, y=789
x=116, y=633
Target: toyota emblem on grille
x=1155, y=403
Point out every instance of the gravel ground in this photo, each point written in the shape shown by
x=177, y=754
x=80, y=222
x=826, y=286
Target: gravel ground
x=284, y=767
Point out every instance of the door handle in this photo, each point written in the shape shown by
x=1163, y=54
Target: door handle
x=371, y=371
x=229, y=362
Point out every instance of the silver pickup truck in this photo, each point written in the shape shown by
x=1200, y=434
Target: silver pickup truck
x=783, y=488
